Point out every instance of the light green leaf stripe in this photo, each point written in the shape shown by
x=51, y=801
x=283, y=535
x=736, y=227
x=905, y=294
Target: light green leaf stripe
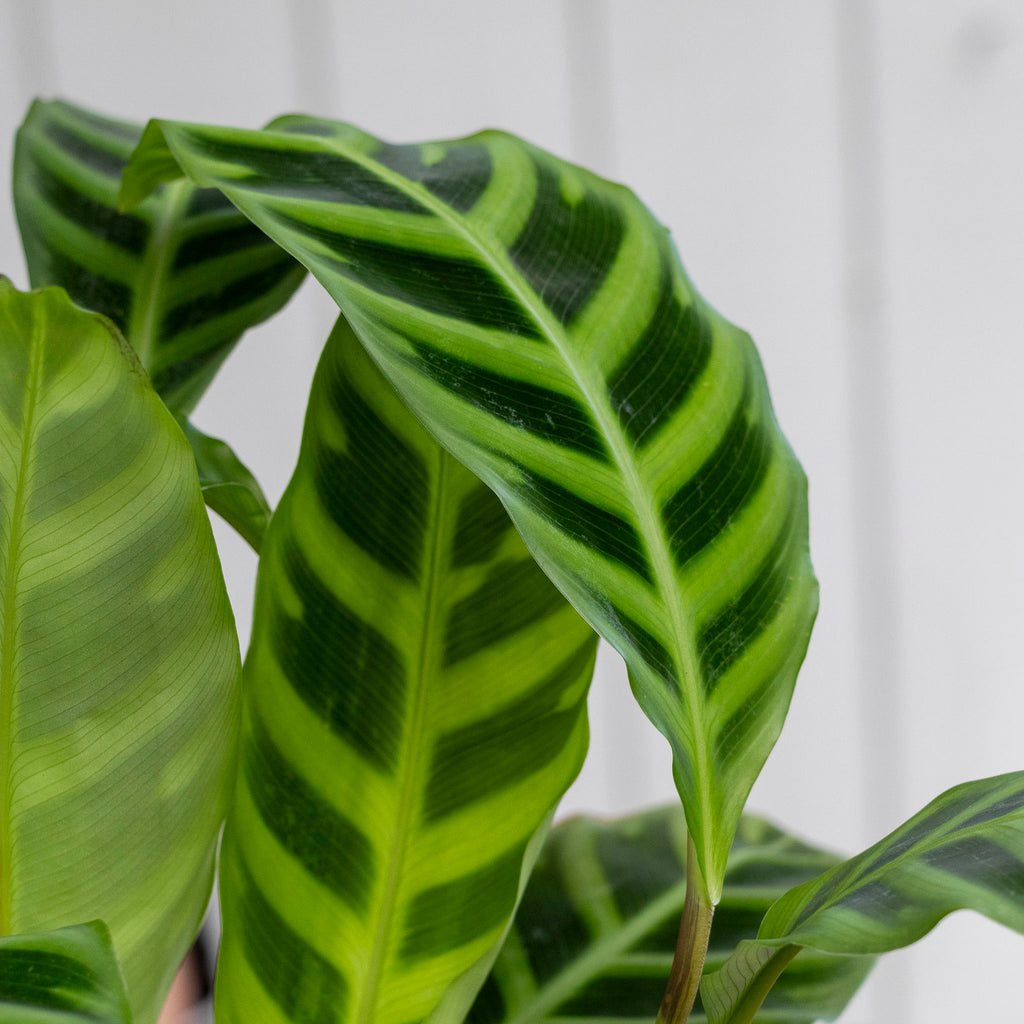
x=415, y=707
x=182, y=277
x=119, y=662
x=68, y=976
x=595, y=933
x=537, y=319
x=965, y=850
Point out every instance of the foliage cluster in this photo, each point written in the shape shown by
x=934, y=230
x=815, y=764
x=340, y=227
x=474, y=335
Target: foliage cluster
x=526, y=430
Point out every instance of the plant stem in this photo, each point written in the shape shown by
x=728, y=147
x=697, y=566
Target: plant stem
x=691, y=947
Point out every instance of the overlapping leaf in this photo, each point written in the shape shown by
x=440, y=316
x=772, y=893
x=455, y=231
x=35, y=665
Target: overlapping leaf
x=183, y=276
x=415, y=706
x=595, y=933
x=965, y=850
x=68, y=976
x=537, y=319
x=119, y=662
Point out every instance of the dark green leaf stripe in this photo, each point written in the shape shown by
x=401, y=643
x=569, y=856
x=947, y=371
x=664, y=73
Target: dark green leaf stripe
x=302, y=984
x=513, y=595
x=119, y=664
x=451, y=286
x=415, y=695
x=480, y=528
x=568, y=245
x=384, y=513
x=324, y=839
x=183, y=276
x=543, y=412
x=596, y=930
x=67, y=976
x=537, y=319
x=347, y=672
x=657, y=375
x=507, y=747
x=965, y=850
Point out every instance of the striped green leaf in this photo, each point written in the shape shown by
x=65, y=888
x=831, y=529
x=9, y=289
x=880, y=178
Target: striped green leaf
x=183, y=276
x=595, y=933
x=415, y=707
x=538, y=321
x=119, y=662
x=964, y=851
x=67, y=976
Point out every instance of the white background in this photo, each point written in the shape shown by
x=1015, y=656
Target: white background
x=845, y=179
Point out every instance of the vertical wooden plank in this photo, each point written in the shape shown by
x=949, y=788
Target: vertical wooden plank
x=874, y=584
x=409, y=72
x=953, y=76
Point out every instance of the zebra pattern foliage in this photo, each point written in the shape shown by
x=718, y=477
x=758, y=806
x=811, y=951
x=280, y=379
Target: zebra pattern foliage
x=596, y=931
x=119, y=664
x=68, y=976
x=538, y=321
x=964, y=851
x=415, y=707
x=183, y=276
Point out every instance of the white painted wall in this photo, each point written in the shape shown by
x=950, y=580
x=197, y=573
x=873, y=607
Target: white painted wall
x=846, y=181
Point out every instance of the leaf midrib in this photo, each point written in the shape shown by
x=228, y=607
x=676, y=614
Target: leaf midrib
x=142, y=324
x=30, y=401
x=650, y=521
x=409, y=792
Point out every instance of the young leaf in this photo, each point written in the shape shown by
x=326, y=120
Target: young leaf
x=965, y=850
x=595, y=933
x=415, y=707
x=119, y=662
x=537, y=319
x=183, y=276
x=67, y=976
x=228, y=486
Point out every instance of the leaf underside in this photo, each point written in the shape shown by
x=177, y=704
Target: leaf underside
x=537, y=320
x=415, y=707
x=119, y=661
x=965, y=850
x=182, y=277
x=68, y=976
x=596, y=931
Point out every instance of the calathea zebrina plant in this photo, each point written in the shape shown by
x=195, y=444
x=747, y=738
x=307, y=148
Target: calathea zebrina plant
x=525, y=430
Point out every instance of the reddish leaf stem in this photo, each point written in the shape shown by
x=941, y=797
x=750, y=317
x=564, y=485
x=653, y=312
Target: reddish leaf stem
x=691, y=948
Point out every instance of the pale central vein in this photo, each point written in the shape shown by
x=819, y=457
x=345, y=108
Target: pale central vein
x=409, y=789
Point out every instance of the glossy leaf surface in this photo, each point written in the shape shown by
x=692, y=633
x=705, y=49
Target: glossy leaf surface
x=965, y=850
x=68, y=976
x=596, y=931
x=537, y=319
x=415, y=707
x=119, y=663
x=183, y=276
